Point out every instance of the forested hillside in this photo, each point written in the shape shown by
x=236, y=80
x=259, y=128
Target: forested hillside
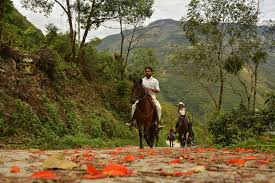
x=162, y=37
x=48, y=101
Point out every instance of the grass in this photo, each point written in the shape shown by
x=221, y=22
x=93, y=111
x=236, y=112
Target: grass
x=264, y=143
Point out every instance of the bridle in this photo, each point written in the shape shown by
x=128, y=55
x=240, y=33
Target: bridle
x=141, y=99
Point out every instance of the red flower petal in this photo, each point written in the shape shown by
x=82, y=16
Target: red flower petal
x=175, y=161
x=238, y=149
x=86, y=153
x=129, y=158
x=236, y=161
x=140, y=157
x=92, y=170
x=44, y=175
x=89, y=158
x=250, y=157
x=116, y=170
x=14, y=169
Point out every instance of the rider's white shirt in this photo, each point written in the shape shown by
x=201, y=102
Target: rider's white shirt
x=182, y=111
x=152, y=83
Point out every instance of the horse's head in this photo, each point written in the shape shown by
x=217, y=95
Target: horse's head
x=138, y=91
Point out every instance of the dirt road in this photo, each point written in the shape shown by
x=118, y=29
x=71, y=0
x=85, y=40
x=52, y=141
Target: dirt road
x=130, y=164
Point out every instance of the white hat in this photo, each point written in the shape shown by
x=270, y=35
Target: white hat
x=181, y=103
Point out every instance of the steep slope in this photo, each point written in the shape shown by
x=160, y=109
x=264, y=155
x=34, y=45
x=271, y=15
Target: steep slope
x=48, y=103
x=18, y=28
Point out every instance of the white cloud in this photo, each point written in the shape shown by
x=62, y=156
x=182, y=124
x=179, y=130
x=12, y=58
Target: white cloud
x=163, y=9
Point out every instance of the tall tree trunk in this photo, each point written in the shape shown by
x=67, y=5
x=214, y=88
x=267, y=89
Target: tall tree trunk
x=78, y=21
x=81, y=50
x=221, y=89
x=1, y=19
x=72, y=33
x=221, y=76
x=68, y=11
x=122, y=70
x=255, y=86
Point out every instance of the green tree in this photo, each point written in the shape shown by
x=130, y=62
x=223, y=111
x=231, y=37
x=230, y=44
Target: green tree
x=131, y=14
x=141, y=58
x=51, y=33
x=45, y=6
x=212, y=27
x=256, y=45
x=32, y=38
x=6, y=8
x=270, y=101
x=91, y=14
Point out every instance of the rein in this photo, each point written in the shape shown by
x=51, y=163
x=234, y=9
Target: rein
x=148, y=115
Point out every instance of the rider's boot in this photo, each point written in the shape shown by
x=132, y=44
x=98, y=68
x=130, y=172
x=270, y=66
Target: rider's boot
x=131, y=123
x=160, y=125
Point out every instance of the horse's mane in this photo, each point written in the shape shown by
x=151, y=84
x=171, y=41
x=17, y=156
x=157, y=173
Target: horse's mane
x=139, y=81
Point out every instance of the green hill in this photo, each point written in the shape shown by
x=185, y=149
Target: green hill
x=47, y=102
x=19, y=32
x=165, y=33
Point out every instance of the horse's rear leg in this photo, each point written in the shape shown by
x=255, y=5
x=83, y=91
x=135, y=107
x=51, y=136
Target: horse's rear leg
x=186, y=139
x=157, y=139
x=140, y=138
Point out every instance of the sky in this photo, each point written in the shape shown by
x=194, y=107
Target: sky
x=163, y=9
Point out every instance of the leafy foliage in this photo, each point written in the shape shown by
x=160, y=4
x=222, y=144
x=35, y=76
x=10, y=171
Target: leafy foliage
x=239, y=125
x=214, y=26
x=140, y=59
x=270, y=101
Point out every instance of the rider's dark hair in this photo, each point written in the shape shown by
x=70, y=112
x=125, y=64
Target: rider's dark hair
x=149, y=68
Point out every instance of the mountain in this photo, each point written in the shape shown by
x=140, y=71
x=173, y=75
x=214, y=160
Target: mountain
x=174, y=87
x=162, y=34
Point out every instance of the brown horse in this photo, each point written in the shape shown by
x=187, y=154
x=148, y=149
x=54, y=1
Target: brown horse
x=145, y=114
x=185, y=133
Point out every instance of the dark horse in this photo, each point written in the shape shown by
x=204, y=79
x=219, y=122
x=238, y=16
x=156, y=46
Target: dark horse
x=145, y=114
x=185, y=133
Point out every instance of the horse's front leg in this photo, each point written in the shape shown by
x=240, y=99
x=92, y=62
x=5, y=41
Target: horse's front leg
x=183, y=141
x=140, y=138
x=157, y=140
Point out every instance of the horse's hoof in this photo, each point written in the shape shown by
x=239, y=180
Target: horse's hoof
x=141, y=148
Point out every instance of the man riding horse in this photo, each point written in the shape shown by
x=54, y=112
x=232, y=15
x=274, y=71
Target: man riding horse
x=151, y=86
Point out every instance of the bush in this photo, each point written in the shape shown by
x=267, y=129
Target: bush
x=122, y=88
x=53, y=121
x=93, y=126
x=72, y=122
x=2, y=125
x=239, y=125
x=24, y=121
x=104, y=124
